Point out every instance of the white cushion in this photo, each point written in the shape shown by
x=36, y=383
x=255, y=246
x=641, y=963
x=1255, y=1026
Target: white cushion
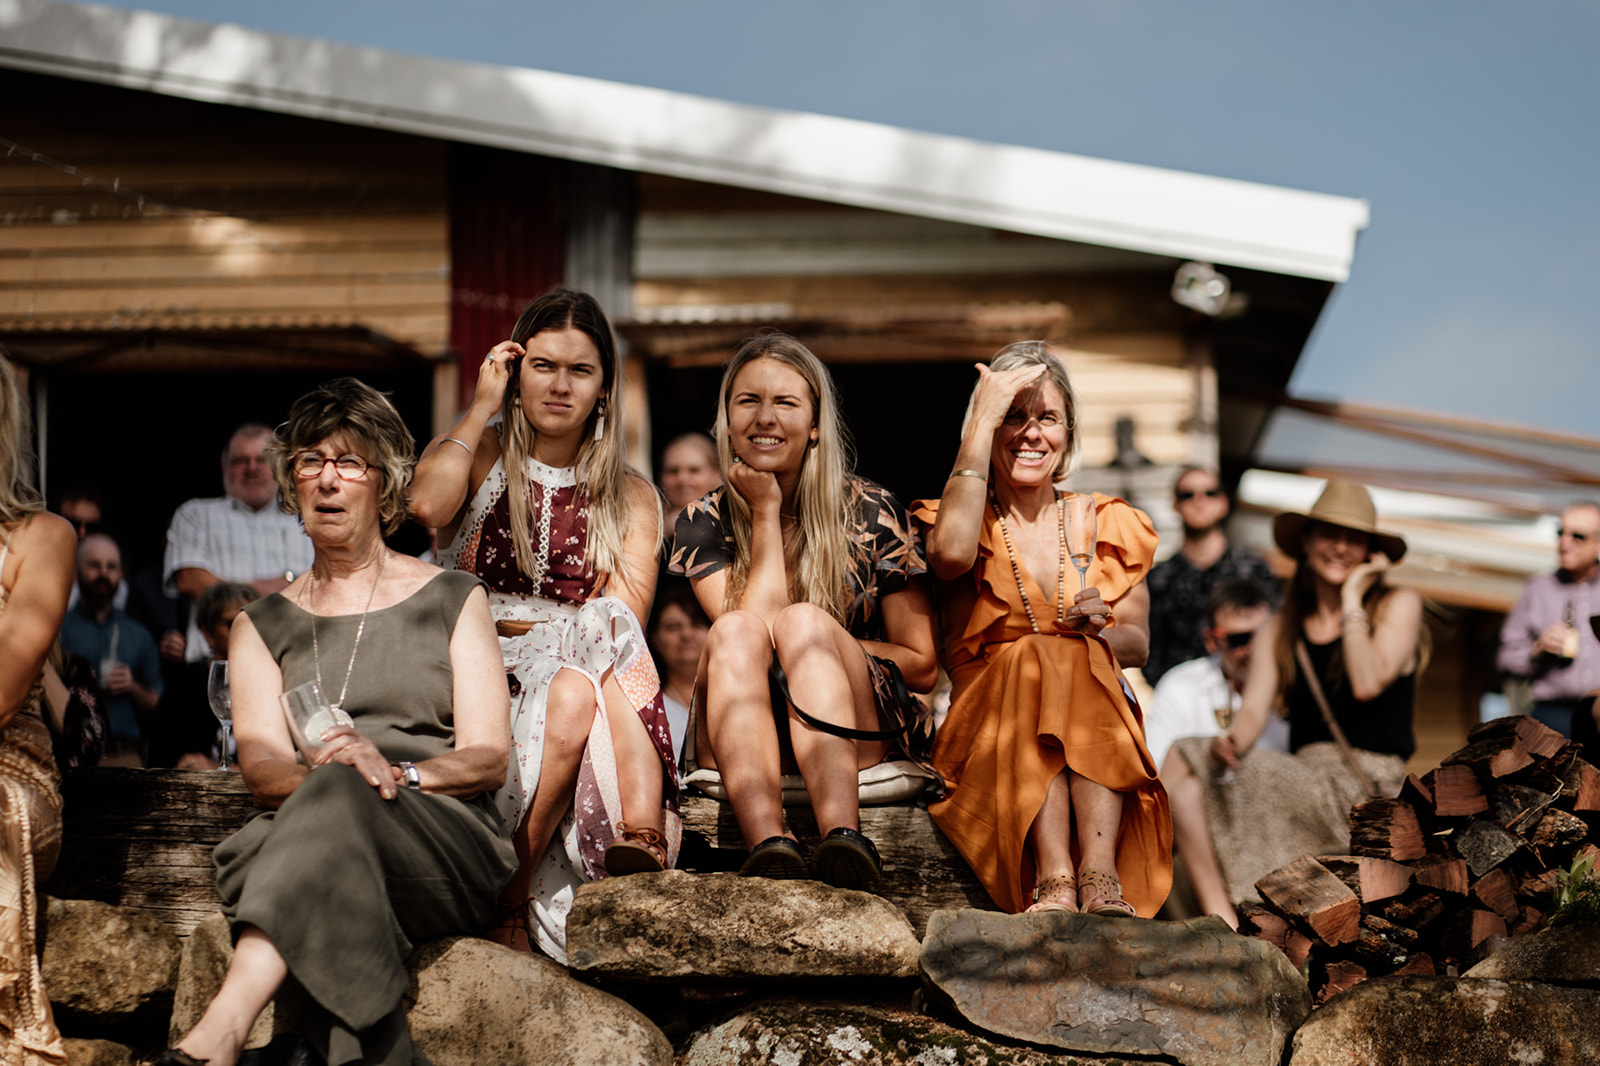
x=891, y=781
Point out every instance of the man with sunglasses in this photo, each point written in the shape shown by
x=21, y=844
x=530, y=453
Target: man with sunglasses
x=1197, y=698
x=1547, y=638
x=1180, y=584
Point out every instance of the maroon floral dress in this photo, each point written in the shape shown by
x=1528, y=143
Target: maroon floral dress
x=561, y=620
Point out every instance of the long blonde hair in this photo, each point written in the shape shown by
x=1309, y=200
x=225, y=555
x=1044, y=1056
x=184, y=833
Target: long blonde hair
x=826, y=498
x=19, y=499
x=601, y=472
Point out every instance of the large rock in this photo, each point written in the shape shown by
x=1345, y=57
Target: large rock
x=1193, y=991
x=818, y=1033
x=1440, y=1021
x=97, y=1053
x=206, y=955
x=470, y=1002
x=726, y=927
x=107, y=966
x=476, y=1003
x=1563, y=955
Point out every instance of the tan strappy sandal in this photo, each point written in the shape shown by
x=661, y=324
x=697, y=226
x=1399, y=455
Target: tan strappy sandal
x=1105, y=895
x=636, y=851
x=1059, y=893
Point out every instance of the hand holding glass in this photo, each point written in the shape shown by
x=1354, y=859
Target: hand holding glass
x=310, y=716
x=218, y=695
x=1082, y=534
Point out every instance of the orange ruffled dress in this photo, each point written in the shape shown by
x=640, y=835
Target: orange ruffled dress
x=1026, y=705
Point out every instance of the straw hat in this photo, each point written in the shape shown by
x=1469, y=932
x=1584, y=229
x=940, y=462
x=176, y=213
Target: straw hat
x=1344, y=504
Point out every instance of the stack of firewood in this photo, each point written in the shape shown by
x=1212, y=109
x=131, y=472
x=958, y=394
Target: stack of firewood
x=1467, y=852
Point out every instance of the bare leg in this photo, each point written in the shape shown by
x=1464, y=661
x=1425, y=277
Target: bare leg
x=741, y=738
x=1050, y=836
x=569, y=715
x=639, y=768
x=253, y=978
x=1192, y=834
x=828, y=676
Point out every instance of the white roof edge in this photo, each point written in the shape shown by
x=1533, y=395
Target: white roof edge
x=846, y=161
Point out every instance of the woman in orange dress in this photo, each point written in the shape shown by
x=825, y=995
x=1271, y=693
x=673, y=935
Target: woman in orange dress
x=1053, y=798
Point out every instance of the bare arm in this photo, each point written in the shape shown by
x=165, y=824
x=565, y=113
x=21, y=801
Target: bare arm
x=908, y=624
x=267, y=756
x=635, y=583
x=952, y=544
x=45, y=550
x=766, y=588
x=1377, y=654
x=448, y=474
x=482, y=708
x=1130, y=637
x=193, y=580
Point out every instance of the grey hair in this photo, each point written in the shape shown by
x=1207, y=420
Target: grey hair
x=1040, y=353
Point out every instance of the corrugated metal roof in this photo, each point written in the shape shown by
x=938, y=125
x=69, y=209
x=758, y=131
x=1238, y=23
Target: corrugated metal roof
x=1024, y=190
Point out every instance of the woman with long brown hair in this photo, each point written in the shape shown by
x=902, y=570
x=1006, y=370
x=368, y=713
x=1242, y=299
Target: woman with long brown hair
x=37, y=552
x=541, y=505
x=1341, y=658
x=810, y=573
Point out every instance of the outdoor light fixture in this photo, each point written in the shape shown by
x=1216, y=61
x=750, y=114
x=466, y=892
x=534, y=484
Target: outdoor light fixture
x=1199, y=286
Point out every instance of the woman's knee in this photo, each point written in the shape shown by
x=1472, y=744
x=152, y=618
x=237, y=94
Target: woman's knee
x=569, y=706
x=802, y=626
x=738, y=639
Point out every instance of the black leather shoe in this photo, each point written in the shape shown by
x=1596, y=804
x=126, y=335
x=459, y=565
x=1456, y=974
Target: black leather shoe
x=173, y=1057
x=847, y=859
x=778, y=858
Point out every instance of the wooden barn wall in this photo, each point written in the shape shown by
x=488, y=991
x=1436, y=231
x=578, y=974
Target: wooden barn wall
x=250, y=218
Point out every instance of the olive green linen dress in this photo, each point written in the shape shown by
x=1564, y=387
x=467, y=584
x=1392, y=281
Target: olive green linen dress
x=343, y=881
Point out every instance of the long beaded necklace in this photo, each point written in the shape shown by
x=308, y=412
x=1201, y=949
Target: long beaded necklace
x=316, y=649
x=1061, y=568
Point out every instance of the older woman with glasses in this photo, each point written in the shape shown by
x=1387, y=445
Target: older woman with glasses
x=386, y=833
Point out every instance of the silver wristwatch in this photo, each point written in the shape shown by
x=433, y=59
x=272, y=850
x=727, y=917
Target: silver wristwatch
x=412, y=774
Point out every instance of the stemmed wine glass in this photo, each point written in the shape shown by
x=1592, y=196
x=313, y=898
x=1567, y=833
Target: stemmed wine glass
x=1082, y=535
x=221, y=705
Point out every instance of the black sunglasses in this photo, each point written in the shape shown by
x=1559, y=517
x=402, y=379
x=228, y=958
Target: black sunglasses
x=1574, y=534
x=1235, y=641
x=1185, y=495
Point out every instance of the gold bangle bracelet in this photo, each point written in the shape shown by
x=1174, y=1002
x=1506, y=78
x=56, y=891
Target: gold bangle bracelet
x=979, y=474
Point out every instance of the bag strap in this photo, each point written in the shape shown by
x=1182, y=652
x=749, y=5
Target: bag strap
x=781, y=680
x=1303, y=657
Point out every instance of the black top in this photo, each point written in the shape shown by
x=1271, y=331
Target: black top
x=1382, y=724
x=1178, y=605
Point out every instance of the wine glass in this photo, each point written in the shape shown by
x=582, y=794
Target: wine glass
x=221, y=705
x=1082, y=535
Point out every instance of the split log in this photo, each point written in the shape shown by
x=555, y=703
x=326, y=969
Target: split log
x=1447, y=875
x=1527, y=921
x=1519, y=808
x=1485, y=845
x=1370, y=878
x=1421, y=964
x=1585, y=786
x=1470, y=928
x=1538, y=738
x=1297, y=946
x=1305, y=892
x=1417, y=793
x=1558, y=829
x=1494, y=889
x=1492, y=757
x=1338, y=977
x=1386, y=829
x=1261, y=922
x=1415, y=911
x=1456, y=791
x=1538, y=884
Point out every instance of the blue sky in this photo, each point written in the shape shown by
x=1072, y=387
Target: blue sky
x=1470, y=127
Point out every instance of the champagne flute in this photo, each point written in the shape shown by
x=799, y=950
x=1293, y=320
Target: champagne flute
x=1082, y=535
x=221, y=705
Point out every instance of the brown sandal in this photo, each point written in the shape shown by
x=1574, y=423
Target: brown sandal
x=1105, y=895
x=636, y=851
x=510, y=922
x=1059, y=893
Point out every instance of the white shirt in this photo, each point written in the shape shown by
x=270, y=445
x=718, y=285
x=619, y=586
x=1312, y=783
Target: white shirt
x=228, y=539
x=1185, y=704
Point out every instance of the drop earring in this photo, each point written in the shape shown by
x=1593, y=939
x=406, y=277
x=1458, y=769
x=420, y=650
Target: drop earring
x=600, y=422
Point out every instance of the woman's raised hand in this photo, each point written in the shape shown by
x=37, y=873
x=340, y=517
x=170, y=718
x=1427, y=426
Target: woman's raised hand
x=495, y=375
x=997, y=393
x=759, y=488
x=1361, y=579
x=344, y=744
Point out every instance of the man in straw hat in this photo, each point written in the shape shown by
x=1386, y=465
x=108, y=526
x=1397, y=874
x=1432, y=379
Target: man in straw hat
x=1545, y=638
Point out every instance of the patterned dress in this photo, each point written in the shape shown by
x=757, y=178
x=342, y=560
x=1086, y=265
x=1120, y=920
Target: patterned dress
x=568, y=626
x=30, y=841
x=884, y=558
